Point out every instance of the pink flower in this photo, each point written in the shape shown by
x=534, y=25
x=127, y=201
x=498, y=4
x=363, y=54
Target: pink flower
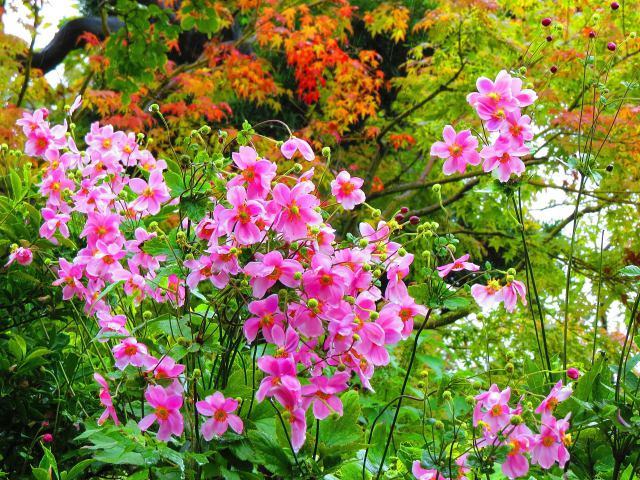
x=492, y=409
x=487, y=295
x=77, y=103
x=166, y=404
x=325, y=280
x=347, y=190
x=242, y=217
x=101, y=227
x=53, y=222
x=281, y=377
x=106, y=401
x=321, y=393
x=294, y=144
x=549, y=446
x=517, y=129
x=558, y=394
x=459, y=150
x=510, y=293
x=130, y=352
x=524, y=97
x=105, y=259
x=151, y=194
x=111, y=323
x=204, y=268
x=520, y=440
x=290, y=400
x=256, y=174
x=47, y=438
x=493, y=100
x=69, y=275
x=422, y=473
x=219, y=408
x=457, y=265
x=505, y=159
x=269, y=269
x=22, y=255
x=53, y=184
x=266, y=316
x=295, y=210
x=165, y=368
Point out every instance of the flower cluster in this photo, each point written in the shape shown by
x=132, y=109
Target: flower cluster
x=315, y=303
x=498, y=105
x=503, y=426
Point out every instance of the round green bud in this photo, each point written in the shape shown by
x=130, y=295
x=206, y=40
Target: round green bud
x=632, y=35
x=469, y=399
x=376, y=213
x=181, y=235
x=341, y=367
x=446, y=395
x=349, y=299
x=383, y=257
x=509, y=367
x=72, y=126
x=510, y=278
x=326, y=152
x=374, y=315
x=511, y=271
x=356, y=337
x=154, y=108
x=48, y=261
x=402, y=252
x=426, y=254
x=244, y=282
x=147, y=315
x=522, y=70
x=294, y=246
x=363, y=242
x=189, y=256
x=377, y=272
x=312, y=303
x=424, y=373
x=205, y=130
x=366, y=267
x=427, y=233
x=297, y=275
x=435, y=226
x=197, y=373
x=451, y=247
x=438, y=425
x=4, y=147
x=516, y=420
x=436, y=188
x=420, y=384
x=297, y=168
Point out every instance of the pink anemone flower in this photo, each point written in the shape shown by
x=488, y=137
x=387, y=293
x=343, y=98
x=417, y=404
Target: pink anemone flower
x=347, y=190
x=457, y=265
x=106, y=401
x=166, y=405
x=459, y=150
x=220, y=410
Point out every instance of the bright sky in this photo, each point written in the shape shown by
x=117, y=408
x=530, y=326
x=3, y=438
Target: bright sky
x=53, y=12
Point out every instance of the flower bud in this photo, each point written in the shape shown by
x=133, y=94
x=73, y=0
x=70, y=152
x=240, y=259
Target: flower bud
x=615, y=5
x=356, y=337
x=377, y=272
x=399, y=217
x=546, y=22
x=573, y=373
x=47, y=438
x=509, y=278
x=426, y=254
x=205, y=130
x=436, y=188
x=414, y=220
x=312, y=303
x=366, y=267
x=446, y=395
x=509, y=367
x=553, y=69
x=611, y=46
x=350, y=299
x=147, y=315
x=297, y=168
x=154, y=108
x=469, y=399
x=451, y=247
x=197, y=373
x=402, y=252
x=376, y=213
x=341, y=367
x=326, y=152
x=592, y=34
x=438, y=425
x=420, y=384
x=549, y=38
x=516, y=420
x=363, y=242
x=632, y=35
x=297, y=275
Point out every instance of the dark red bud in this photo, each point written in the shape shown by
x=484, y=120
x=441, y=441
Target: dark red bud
x=399, y=217
x=414, y=220
x=404, y=210
x=549, y=38
x=612, y=46
x=615, y=5
x=546, y=22
x=553, y=69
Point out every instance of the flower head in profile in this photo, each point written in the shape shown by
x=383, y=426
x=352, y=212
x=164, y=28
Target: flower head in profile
x=558, y=394
x=293, y=145
x=458, y=150
x=457, y=265
x=220, y=410
x=106, y=401
x=347, y=190
x=166, y=403
x=22, y=255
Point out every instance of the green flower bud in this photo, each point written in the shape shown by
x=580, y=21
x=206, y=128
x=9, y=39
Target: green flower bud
x=436, y=188
x=356, y=337
x=374, y=315
x=366, y=267
x=469, y=399
x=4, y=147
x=511, y=271
x=509, y=367
x=189, y=256
x=438, y=425
x=377, y=272
x=297, y=168
x=154, y=108
x=147, y=315
x=297, y=275
x=349, y=299
x=516, y=420
x=426, y=254
x=632, y=35
x=197, y=373
x=420, y=384
x=181, y=235
x=376, y=213
x=312, y=303
x=402, y=252
x=510, y=278
x=326, y=152
x=205, y=130
x=446, y=395
x=451, y=247
x=363, y=242
x=341, y=367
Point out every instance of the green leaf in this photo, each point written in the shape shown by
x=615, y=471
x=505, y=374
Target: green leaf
x=40, y=473
x=188, y=22
x=175, y=183
x=270, y=454
x=628, y=473
x=337, y=434
x=78, y=468
x=454, y=303
x=630, y=271
x=16, y=184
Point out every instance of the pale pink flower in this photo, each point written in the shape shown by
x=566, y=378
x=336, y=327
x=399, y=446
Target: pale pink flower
x=487, y=295
x=106, y=401
x=295, y=210
x=492, y=409
x=151, y=194
x=558, y=394
x=457, y=265
x=347, y=190
x=459, y=150
x=130, y=352
x=166, y=404
x=241, y=218
x=504, y=158
x=54, y=222
x=69, y=275
x=220, y=410
x=266, y=316
x=256, y=173
x=511, y=292
x=549, y=446
x=111, y=323
x=294, y=144
x=269, y=269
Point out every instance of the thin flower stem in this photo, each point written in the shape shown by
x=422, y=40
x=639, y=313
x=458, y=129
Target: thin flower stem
x=595, y=320
x=402, y=390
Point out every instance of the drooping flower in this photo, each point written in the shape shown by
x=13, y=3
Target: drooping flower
x=511, y=292
x=459, y=150
x=487, y=295
x=294, y=144
x=220, y=410
x=558, y=394
x=457, y=265
x=22, y=255
x=106, y=401
x=166, y=404
x=347, y=190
